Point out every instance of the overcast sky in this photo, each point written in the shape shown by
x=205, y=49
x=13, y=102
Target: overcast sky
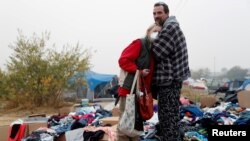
x=217, y=31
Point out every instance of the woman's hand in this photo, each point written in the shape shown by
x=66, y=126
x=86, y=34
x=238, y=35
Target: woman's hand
x=144, y=72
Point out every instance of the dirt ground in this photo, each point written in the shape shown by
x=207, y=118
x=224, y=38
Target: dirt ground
x=8, y=116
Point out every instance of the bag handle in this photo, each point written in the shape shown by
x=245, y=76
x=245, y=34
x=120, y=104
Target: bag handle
x=144, y=86
x=134, y=81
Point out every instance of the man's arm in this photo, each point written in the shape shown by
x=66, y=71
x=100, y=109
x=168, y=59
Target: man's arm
x=163, y=45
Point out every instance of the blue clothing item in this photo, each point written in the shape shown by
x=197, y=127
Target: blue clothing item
x=79, y=124
x=245, y=83
x=83, y=121
x=218, y=116
x=207, y=115
x=98, y=115
x=104, y=113
x=193, y=109
x=84, y=110
x=244, y=119
x=232, y=106
x=60, y=129
x=64, y=125
x=150, y=134
x=197, y=135
x=155, y=108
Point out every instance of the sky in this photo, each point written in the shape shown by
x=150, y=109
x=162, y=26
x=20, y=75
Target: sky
x=217, y=31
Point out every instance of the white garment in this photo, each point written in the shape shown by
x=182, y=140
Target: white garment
x=74, y=135
x=153, y=36
x=46, y=137
x=122, y=76
x=154, y=119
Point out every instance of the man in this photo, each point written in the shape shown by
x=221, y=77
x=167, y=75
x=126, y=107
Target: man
x=171, y=68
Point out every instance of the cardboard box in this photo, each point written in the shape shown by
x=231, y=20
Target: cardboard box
x=61, y=138
x=4, y=132
x=188, y=93
x=110, y=120
x=34, y=122
x=207, y=100
x=244, y=99
x=115, y=112
x=35, y=125
x=198, y=96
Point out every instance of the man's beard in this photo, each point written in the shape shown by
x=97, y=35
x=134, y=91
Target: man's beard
x=159, y=22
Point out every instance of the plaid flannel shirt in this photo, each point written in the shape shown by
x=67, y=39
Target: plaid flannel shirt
x=171, y=56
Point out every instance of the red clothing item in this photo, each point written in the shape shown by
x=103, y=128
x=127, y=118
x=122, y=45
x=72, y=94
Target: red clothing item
x=127, y=63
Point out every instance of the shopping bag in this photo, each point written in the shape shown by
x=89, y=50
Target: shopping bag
x=127, y=121
x=145, y=102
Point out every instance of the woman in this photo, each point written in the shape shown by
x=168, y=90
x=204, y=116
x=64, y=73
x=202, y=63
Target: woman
x=137, y=56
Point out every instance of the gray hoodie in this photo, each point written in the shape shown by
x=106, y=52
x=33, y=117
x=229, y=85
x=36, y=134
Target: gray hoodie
x=170, y=20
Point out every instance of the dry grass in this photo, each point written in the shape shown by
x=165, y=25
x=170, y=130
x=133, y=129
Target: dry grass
x=8, y=115
x=201, y=97
x=192, y=94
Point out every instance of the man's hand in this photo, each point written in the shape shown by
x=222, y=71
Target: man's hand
x=156, y=28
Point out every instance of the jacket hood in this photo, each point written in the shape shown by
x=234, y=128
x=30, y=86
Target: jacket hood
x=171, y=19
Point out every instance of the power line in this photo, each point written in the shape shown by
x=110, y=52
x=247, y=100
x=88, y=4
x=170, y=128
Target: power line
x=180, y=6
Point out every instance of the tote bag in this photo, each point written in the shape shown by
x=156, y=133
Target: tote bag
x=127, y=121
x=145, y=103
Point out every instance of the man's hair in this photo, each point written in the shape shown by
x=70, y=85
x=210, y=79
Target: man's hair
x=165, y=6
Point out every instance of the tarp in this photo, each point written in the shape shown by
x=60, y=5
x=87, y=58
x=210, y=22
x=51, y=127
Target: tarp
x=245, y=85
x=93, y=79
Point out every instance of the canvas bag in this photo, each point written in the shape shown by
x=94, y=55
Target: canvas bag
x=145, y=102
x=126, y=123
